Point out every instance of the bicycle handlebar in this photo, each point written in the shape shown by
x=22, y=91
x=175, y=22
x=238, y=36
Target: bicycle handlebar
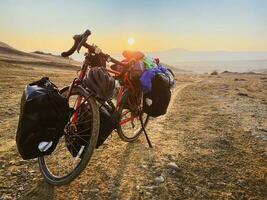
x=107, y=57
x=79, y=40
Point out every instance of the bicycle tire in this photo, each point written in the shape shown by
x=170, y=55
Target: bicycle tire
x=121, y=133
x=55, y=180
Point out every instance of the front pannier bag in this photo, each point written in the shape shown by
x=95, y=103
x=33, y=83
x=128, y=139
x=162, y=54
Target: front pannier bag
x=108, y=122
x=43, y=116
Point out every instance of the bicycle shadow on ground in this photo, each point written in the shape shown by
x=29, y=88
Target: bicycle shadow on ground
x=121, y=170
x=42, y=190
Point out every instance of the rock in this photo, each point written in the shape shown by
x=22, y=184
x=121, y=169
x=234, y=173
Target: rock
x=144, y=166
x=201, y=189
x=242, y=94
x=31, y=171
x=148, y=193
x=6, y=197
x=21, y=161
x=159, y=179
x=240, y=79
x=85, y=191
x=173, y=166
x=12, y=162
x=95, y=190
x=151, y=188
x=84, y=183
x=187, y=191
x=263, y=129
x=15, y=173
x=21, y=188
x=137, y=187
x=170, y=157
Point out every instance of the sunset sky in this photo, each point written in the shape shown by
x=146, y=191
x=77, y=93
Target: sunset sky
x=155, y=25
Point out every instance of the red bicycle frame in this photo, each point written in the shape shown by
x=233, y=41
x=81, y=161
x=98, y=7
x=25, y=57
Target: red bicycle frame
x=127, y=85
x=75, y=82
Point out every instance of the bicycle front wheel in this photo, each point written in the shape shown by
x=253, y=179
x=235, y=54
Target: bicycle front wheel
x=129, y=128
x=77, y=144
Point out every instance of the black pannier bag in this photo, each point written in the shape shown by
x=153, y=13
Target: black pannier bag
x=108, y=122
x=156, y=101
x=171, y=77
x=43, y=116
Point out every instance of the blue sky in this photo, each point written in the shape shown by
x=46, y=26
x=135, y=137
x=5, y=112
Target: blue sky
x=155, y=25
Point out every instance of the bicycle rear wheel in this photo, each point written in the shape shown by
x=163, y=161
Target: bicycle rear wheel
x=131, y=130
x=76, y=146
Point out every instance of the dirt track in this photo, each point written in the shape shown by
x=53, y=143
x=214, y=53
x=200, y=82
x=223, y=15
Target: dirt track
x=215, y=131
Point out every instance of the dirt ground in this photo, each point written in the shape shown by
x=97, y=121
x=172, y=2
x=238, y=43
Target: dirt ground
x=215, y=132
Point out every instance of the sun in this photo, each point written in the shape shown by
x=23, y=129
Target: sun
x=131, y=41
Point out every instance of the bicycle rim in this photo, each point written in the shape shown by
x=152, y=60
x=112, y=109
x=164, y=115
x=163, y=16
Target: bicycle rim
x=64, y=164
x=130, y=131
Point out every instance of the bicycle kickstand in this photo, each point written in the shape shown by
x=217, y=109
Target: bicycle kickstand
x=143, y=127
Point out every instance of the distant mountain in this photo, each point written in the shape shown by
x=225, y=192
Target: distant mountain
x=206, y=61
x=12, y=55
x=183, y=55
x=235, y=66
x=180, y=60
x=262, y=71
x=176, y=69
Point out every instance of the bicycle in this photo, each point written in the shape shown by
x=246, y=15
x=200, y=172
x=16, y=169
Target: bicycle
x=129, y=103
x=61, y=167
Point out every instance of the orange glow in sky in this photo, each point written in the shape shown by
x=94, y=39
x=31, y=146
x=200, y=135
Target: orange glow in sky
x=147, y=26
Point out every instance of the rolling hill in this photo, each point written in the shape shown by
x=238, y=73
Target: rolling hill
x=179, y=60
x=14, y=56
x=38, y=58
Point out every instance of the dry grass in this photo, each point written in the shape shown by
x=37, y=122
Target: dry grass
x=211, y=132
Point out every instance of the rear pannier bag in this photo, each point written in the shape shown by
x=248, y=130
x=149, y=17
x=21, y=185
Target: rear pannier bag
x=171, y=77
x=108, y=122
x=43, y=116
x=156, y=101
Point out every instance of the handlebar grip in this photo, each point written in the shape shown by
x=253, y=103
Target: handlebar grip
x=71, y=50
x=78, y=42
x=83, y=39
